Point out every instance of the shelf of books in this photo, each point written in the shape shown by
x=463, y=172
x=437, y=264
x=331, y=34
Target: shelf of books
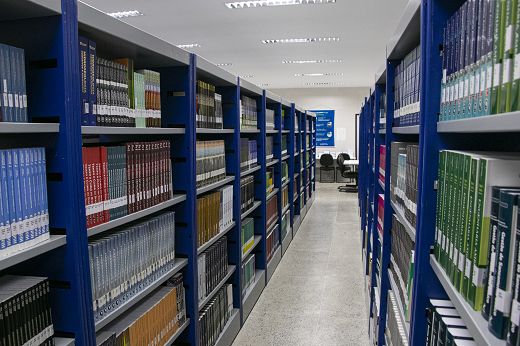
x=446, y=161
x=143, y=151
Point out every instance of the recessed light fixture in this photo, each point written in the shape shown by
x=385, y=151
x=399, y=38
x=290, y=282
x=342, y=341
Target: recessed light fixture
x=322, y=83
x=307, y=61
x=262, y=85
x=317, y=74
x=303, y=40
x=247, y=4
x=225, y=64
x=246, y=76
x=191, y=45
x=125, y=14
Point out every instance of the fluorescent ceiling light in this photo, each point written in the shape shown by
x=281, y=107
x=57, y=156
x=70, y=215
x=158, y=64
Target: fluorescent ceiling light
x=247, y=4
x=317, y=74
x=125, y=14
x=246, y=76
x=261, y=85
x=322, y=83
x=225, y=64
x=191, y=45
x=302, y=40
x=307, y=61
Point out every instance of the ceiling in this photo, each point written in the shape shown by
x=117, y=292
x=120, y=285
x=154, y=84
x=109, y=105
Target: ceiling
x=234, y=36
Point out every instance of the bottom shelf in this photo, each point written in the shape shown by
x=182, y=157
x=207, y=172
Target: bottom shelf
x=476, y=324
x=287, y=241
x=296, y=225
x=230, y=330
x=250, y=299
x=271, y=266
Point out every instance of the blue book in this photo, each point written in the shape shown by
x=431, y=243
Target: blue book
x=44, y=198
x=29, y=159
x=5, y=156
x=83, y=80
x=36, y=183
x=5, y=73
x=22, y=169
x=17, y=201
x=4, y=210
x=23, y=86
x=13, y=54
x=92, y=68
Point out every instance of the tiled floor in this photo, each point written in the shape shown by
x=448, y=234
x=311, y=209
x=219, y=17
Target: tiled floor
x=316, y=295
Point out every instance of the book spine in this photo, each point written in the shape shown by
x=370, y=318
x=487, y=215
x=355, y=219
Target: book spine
x=512, y=333
x=92, y=90
x=508, y=56
x=470, y=229
x=23, y=86
x=498, y=53
x=13, y=52
x=84, y=80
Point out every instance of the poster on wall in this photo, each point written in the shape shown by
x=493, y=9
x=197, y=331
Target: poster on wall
x=324, y=128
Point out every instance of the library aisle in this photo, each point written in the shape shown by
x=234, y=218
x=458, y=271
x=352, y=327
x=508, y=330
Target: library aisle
x=316, y=296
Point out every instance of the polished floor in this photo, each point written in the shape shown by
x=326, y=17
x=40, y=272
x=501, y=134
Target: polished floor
x=316, y=295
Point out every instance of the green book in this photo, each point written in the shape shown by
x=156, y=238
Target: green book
x=498, y=54
x=506, y=240
x=492, y=171
x=515, y=84
x=508, y=57
x=446, y=215
x=463, y=217
x=456, y=217
x=440, y=204
x=468, y=266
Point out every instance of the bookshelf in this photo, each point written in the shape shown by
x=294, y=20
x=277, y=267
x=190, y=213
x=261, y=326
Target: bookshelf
x=49, y=30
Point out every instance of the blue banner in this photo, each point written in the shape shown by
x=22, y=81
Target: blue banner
x=324, y=128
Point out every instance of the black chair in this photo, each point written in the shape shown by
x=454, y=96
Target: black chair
x=327, y=165
x=339, y=160
x=347, y=173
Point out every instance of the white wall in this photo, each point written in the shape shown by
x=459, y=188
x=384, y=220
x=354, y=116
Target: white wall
x=346, y=102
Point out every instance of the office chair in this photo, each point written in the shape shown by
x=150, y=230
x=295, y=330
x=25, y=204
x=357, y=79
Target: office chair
x=339, y=160
x=347, y=173
x=327, y=165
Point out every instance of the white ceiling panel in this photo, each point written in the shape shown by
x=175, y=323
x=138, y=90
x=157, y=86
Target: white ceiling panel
x=234, y=36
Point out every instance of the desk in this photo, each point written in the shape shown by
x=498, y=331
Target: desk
x=351, y=163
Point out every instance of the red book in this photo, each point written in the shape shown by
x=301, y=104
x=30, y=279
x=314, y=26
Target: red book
x=104, y=182
x=98, y=188
x=129, y=177
x=85, y=182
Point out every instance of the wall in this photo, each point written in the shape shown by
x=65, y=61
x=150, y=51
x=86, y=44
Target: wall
x=345, y=101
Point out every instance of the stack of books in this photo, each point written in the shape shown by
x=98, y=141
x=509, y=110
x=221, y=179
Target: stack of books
x=382, y=162
x=214, y=214
x=285, y=223
x=248, y=234
x=445, y=327
x=408, y=90
x=248, y=154
x=210, y=162
x=13, y=103
x=125, y=179
x=395, y=330
x=269, y=119
x=284, y=145
x=247, y=193
x=402, y=259
x=269, y=151
x=177, y=281
x=24, y=209
x=380, y=214
x=215, y=315
x=248, y=274
x=148, y=90
x=153, y=320
x=248, y=113
x=397, y=148
x=412, y=184
x=212, y=267
x=114, y=279
x=285, y=172
x=285, y=197
x=296, y=127
x=272, y=242
x=271, y=210
x=269, y=180
x=209, y=107
x=382, y=111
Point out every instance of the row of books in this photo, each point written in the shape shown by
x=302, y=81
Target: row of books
x=113, y=94
x=445, y=327
x=24, y=210
x=26, y=317
x=285, y=172
x=284, y=145
x=382, y=162
x=302, y=202
x=13, y=100
x=209, y=107
x=124, y=179
x=272, y=241
x=479, y=73
x=271, y=211
x=285, y=224
x=405, y=169
x=210, y=162
x=128, y=260
x=247, y=193
x=475, y=244
x=248, y=154
x=382, y=111
x=248, y=274
x=247, y=234
x=214, y=213
x=269, y=119
x=395, y=331
x=152, y=321
x=212, y=267
x=296, y=123
x=285, y=197
x=269, y=149
x=215, y=315
x=308, y=192
x=408, y=90
x=402, y=260
x=269, y=180
x=380, y=214
x=248, y=113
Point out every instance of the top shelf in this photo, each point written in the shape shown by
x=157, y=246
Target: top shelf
x=215, y=131
x=13, y=10
x=286, y=103
x=406, y=130
x=117, y=39
x=507, y=122
x=29, y=127
x=272, y=97
x=249, y=89
x=101, y=130
x=214, y=74
x=407, y=35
